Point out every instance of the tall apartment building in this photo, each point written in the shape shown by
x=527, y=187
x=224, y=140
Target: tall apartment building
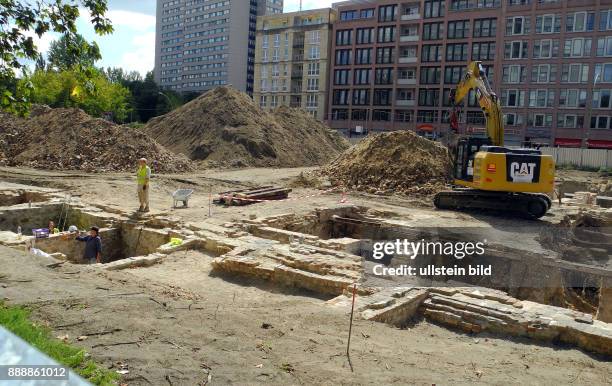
x=292, y=61
x=395, y=63
x=203, y=44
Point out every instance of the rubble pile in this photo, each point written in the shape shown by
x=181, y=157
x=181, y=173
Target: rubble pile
x=69, y=139
x=224, y=127
x=399, y=162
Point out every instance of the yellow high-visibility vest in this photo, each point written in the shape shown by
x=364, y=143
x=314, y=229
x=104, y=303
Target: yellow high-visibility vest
x=142, y=174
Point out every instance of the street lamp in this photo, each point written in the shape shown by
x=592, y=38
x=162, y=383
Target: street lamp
x=168, y=98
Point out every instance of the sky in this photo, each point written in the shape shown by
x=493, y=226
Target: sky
x=132, y=45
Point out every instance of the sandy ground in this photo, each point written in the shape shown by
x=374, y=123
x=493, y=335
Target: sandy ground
x=175, y=323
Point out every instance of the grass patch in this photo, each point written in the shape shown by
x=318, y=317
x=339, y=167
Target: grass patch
x=17, y=321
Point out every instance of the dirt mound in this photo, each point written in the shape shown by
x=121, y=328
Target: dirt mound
x=225, y=127
x=396, y=162
x=69, y=139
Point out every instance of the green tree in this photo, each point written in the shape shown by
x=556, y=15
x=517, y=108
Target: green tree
x=64, y=89
x=63, y=56
x=19, y=20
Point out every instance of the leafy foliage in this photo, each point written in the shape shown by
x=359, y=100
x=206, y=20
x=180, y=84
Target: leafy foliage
x=60, y=57
x=65, y=89
x=21, y=20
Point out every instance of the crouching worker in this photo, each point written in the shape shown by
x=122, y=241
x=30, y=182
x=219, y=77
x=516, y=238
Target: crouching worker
x=93, y=246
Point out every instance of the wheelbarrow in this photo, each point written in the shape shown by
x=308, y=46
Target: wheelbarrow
x=182, y=196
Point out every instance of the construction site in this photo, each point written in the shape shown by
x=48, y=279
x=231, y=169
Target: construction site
x=254, y=264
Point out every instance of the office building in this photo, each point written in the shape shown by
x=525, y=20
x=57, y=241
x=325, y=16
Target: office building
x=550, y=62
x=292, y=63
x=203, y=44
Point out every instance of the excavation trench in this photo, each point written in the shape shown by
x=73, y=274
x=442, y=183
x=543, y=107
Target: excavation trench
x=522, y=265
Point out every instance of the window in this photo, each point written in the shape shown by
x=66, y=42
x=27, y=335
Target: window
x=365, y=35
x=429, y=97
x=264, y=85
x=348, y=15
x=601, y=122
x=264, y=56
x=543, y=49
x=459, y=29
x=427, y=116
x=433, y=31
x=385, y=55
x=516, y=50
x=405, y=95
x=572, y=98
x=457, y=52
x=513, y=74
x=434, y=8
x=407, y=73
x=430, y=75
x=359, y=115
x=314, y=69
x=570, y=121
x=577, y=47
x=513, y=98
x=315, y=52
x=382, y=97
x=363, y=56
x=366, y=13
x=541, y=98
x=604, y=46
x=605, y=20
x=575, y=73
x=483, y=51
x=314, y=37
x=548, y=24
x=517, y=25
x=274, y=85
x=386, y=34
x=341, y=97
x=387, y=13
x=312, y=101
x=273, y=101
x=339, y=114
x=513, y=119
x=603, y=73
x=341, y=77
x=313, y=84
x=344, y=37
x=485, y=28
x=404, y=116
x=431, y=53
x=453, y=74
x=519, y=2
x=601, y=99
x=361, y=97
x=263, y=101
x=384, y=76
x=540, y=120
x=275, y=55
x=381, y=115
x=343, y=57
x=362, y=76
x=275, y=70
x=544, y=73
x=265, y=42
x=458, y=5
x=580, y=22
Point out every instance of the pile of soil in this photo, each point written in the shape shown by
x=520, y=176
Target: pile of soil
x=399, y=162
x=224, y=127
x=69, y=139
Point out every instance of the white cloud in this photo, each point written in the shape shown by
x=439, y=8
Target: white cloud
x=141, y=57
x=134, y=20
x=294, y=5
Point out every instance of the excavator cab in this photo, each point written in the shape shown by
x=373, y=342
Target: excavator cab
x=466, y=155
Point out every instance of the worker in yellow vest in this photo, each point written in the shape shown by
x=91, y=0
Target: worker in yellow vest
x=144, y=176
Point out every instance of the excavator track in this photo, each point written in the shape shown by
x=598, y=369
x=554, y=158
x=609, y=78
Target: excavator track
x=528, y=205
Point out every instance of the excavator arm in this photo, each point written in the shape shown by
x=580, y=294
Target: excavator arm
x=475, y=79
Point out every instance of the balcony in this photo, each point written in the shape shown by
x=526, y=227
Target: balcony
x=409, y=38
x=407, y=59
x=408, y=81
x=411, y=16
x=405, y=102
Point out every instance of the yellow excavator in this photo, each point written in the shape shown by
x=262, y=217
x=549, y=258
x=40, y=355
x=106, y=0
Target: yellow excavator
x=488, y=175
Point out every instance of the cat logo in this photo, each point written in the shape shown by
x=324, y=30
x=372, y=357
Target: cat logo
x=522, y=171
